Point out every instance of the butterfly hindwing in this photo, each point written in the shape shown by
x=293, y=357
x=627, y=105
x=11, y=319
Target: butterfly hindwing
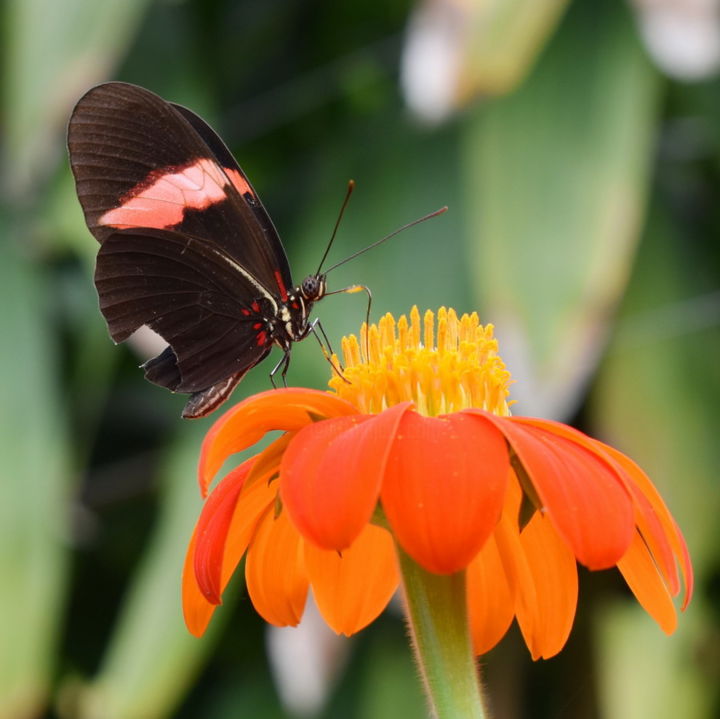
x=190, y=294
x=163, y=370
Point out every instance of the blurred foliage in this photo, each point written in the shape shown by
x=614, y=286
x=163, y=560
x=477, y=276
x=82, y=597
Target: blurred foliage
x=551, y=190
x=565, y=160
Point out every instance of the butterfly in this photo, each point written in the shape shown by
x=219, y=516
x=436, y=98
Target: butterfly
x=186, y=246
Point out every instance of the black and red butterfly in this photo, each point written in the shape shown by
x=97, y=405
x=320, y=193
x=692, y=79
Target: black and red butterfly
x=187, y=247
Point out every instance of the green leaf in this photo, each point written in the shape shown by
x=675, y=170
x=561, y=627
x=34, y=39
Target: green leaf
x=33, y=491
x=152, y=659
x=75, y=41
x=643, y=673
x=504, y=40
x=557, y=176
x=656, y=399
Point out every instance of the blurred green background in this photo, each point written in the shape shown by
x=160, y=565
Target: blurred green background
x=577, y=145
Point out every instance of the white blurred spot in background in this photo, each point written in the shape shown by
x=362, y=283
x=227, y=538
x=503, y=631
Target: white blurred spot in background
x=431, y=60
x=682, y=36
x=306, y=661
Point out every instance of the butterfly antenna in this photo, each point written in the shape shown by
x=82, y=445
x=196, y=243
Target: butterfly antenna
x=387, y=237
x=350, y=188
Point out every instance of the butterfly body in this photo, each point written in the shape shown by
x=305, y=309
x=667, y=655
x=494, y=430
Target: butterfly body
x=186, y=246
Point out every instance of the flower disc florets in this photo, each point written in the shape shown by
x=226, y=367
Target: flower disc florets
x=440, y=369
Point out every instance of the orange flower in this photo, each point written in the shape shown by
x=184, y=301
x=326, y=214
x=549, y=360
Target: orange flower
x=416, y=446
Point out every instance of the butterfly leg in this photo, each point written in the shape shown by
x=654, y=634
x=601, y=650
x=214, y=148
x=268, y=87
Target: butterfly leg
x=282, y=367
x=325, y=346
x=324, y=342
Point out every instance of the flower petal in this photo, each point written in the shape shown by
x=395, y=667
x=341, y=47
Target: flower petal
x=212, y=530
x=491, y=598
x=444, y=487
x=658, y=543
x=313, y=498
x=583, y=495
x=511, y=552
x=498, y=597
x=642, y=576
x=197, y=611
x=547, y=625
x=245, y=424
x=351, y=589
x=275, y=571
x=267, y=462
x=669, y=526
x=652, y=516
x=253, y=501
x=220, y=539
x=332, y=472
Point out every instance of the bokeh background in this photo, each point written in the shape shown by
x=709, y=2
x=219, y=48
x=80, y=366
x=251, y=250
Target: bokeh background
x=577, y=145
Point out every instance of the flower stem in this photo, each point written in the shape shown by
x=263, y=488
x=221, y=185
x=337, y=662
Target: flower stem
x=438, y=620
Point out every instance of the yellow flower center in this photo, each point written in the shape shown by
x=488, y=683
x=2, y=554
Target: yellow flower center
x=442, y=369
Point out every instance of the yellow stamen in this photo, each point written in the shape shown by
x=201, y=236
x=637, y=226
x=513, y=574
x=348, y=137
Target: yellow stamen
x=456, y=365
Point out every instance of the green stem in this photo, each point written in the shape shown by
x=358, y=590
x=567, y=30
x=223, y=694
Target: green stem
x=438, y=620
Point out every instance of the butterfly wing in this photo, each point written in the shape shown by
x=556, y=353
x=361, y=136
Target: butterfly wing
x=140, y=161
x=180, y=286
x=187, y=246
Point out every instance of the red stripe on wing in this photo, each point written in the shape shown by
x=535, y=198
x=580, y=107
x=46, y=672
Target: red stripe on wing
x=161, y=201
x=281, y=286
x=240, y=183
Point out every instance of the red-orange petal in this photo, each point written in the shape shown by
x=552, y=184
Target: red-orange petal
x=491, y=598
x=658, y=543
x=275, y=571
x=669, y=526
x=351, y=589
x=651, y=515
x=197, y=611
x=583, y=496
x=222, y=546
x=267, y=462
x=208, y=565
x=332, y=472
x=547, y=624
x=245, y=424
x=317, y=501
x=511, y=552
x=253, y=501
x=444, y=487
x=642, y=576
x=212, y=530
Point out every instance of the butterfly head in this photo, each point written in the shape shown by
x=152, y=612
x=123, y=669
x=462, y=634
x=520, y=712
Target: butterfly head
x=313, y=288
x=293, y=324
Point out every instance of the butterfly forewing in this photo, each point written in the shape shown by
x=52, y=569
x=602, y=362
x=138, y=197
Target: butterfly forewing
x=140, y=161
x=259, y=255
